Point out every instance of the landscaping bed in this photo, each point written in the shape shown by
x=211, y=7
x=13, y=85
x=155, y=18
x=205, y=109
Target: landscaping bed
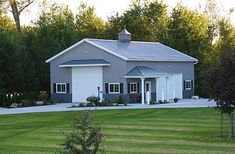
x=94, y=101
x=24, y=99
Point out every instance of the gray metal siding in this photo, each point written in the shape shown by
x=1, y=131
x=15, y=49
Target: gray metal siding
x=61, y=98
x=186, y=68
x=113, y=73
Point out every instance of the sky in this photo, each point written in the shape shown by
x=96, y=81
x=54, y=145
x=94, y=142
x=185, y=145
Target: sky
x=106, y=8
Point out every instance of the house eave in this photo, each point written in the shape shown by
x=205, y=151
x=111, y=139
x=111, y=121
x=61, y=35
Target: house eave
x=163, y=60
x=85, y=65
x=155, y=76
x=118, y=55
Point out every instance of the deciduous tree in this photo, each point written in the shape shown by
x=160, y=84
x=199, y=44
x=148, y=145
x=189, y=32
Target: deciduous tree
x=146, y=20
x=88, y=24
x=220, y=82
x=16, y=7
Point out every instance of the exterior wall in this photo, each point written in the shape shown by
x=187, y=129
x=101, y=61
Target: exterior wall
x=185, y=68
x=113, y=73
x=60, y=75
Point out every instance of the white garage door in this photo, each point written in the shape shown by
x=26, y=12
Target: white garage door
x=85, y=81
x=176, y=86
x=174, y=89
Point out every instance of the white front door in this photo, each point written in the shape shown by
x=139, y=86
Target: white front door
x=147, y=88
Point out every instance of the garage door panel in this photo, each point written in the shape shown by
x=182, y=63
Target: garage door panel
x=85, y=81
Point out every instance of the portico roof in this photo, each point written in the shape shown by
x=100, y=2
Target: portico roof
x=87, y=62
x=144, y=72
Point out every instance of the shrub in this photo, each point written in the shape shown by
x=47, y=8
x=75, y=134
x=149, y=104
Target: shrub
x=43, y=96
x=120, y=100
x=176, y=100
x=90, y=104
x=165, y=101
x=2, y=99
x=104, y=103
x=93, y=100
x=86, y=137
x=81, y=105
x=153, y=102
x=160, y=102
x=27, y=102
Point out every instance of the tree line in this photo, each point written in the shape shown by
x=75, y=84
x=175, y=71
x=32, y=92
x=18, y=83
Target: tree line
x=24, y=49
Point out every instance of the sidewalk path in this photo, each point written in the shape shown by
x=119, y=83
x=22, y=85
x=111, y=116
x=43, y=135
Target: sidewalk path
x=184, y=103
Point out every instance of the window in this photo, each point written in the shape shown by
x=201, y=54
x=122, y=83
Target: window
x=133, y=87
x=188, y=85
x=114, y=88
x=60, y=87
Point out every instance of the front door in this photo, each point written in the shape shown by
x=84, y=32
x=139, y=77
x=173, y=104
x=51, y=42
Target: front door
x=147, y=88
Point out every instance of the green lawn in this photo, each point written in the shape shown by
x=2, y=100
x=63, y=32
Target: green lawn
x=127, y=131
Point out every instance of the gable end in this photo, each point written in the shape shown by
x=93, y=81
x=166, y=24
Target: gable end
x=80, y=42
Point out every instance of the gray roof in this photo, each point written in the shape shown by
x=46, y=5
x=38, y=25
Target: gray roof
x=87, y=62
x=134, y=50
x=143, y=71
x=143, y=51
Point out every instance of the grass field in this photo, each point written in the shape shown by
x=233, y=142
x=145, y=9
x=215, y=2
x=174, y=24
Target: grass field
x=127, y=131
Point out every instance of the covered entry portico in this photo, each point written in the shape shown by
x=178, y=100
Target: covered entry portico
x=164, y=86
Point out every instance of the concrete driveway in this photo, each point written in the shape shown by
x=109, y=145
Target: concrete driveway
x=184, y=103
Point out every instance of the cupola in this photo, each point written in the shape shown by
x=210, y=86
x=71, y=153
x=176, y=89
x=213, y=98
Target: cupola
x=124, y=36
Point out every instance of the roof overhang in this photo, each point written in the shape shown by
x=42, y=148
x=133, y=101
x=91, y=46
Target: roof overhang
x=145, y=72
x=162, y=60
x=85, y=63
x=155, y=76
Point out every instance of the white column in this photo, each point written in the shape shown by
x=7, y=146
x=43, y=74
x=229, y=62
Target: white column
x=156, y=91
x=142, y=90
x=163, y=97
x=167, y=89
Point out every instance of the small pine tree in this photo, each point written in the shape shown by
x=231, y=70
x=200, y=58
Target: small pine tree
x=86, y=137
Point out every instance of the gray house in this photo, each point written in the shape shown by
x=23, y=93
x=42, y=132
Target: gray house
x=112, y=68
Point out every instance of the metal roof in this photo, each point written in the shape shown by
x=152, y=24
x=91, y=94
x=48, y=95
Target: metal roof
x=124, y=32
x=87, y=62
x=134, y=50
x=143, y=71
x=142, y=51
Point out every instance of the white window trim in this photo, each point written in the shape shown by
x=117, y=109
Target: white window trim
x=136, y=87
x=186, y=85
x=61, y=92
x=118, y=88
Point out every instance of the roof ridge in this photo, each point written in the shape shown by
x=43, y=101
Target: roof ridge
x=97, y=39
x=139, y=70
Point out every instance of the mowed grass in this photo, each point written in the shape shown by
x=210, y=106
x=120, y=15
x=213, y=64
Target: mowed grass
x=136, y=131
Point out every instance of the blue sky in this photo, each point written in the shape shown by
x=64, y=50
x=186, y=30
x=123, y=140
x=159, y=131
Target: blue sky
x=106, y=8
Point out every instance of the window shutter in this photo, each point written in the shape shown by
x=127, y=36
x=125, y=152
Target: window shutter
x=184, y=85
x=138, y=87
x=107, y=88
x=192, y=84
x=128, y=87
x=121, y=87
x=54, y=87
x=67, y=87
